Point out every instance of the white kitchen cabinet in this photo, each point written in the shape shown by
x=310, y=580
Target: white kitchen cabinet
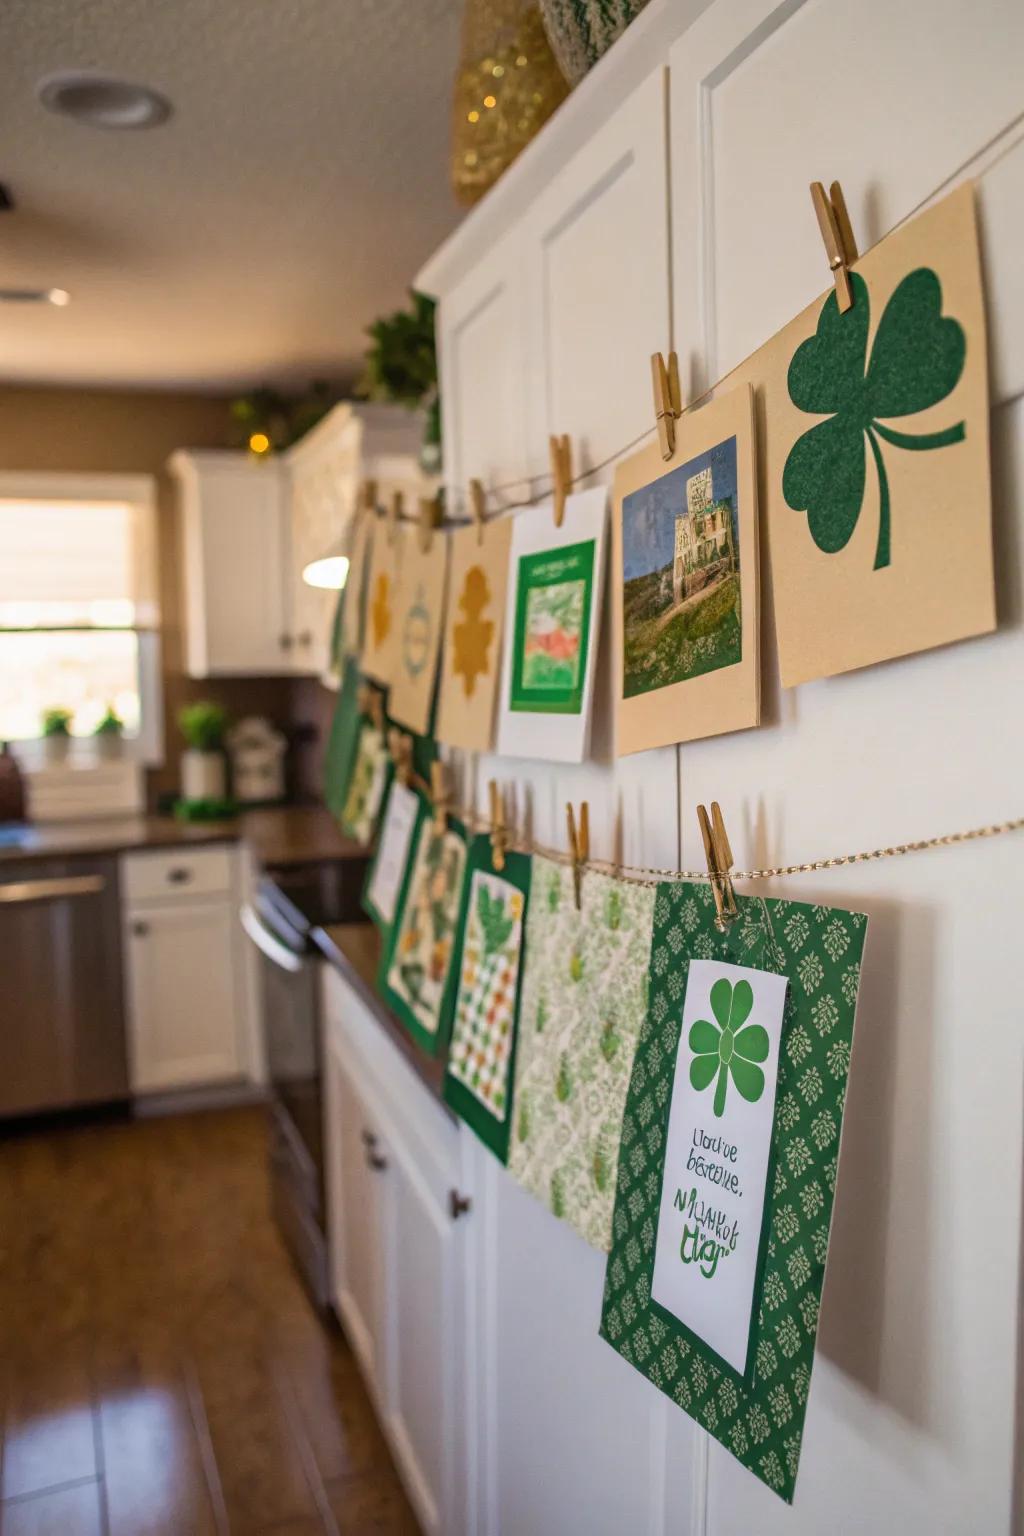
x=185, y=984
x=397, y=1248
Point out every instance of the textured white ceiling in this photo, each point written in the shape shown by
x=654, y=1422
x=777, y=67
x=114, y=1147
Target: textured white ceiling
x=290, y=199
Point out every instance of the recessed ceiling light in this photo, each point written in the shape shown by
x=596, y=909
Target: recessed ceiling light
x=56, y=296
x=102, y=101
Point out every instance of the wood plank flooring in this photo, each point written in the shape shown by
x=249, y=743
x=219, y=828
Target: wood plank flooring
x=161, y=1371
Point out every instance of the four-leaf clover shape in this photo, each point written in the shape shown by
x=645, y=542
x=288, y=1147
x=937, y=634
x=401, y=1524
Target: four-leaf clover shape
x=726, y=1047
x=916, y=361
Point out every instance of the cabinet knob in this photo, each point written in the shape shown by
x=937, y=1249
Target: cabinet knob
x=140, y=930
x=369, y=1137
x=458, y=1205
x=179, y=876
x=306, y=638
x=376, y=1162
x=285, y=642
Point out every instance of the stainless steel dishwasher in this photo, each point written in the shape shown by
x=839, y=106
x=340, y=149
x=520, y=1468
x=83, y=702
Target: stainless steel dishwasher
x=62, y=1025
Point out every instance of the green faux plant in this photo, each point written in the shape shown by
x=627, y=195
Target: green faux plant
x=203, y=724
x=57, y=722
x=111, y=724
x=401, y=367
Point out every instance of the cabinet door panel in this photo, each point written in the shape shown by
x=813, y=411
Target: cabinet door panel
x=184, y=997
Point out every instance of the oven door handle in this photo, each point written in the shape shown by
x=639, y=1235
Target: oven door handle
x=267, y=943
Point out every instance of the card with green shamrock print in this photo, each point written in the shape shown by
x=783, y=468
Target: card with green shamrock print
x=479, y=1080
x=584, y=999
x=417, y=975
x=367, y=784
x=874, y=436
x=388, y=874
x=713, y=1050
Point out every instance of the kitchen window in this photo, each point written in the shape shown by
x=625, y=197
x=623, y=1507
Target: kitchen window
x=79, y=615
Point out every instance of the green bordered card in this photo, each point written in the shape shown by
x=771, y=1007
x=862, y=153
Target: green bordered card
x=481, y=1058
x=390, y=866
x=343, y=741
x=727, y=1167
x=418, y=973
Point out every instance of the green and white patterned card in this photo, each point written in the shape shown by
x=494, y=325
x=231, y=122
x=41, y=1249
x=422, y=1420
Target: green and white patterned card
x=732, y=1065
x=417, y=971
x=479, y=1081
x=584, y=1000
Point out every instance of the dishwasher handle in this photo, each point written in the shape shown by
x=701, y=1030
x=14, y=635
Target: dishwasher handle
x=268, y=943
x=18, y=892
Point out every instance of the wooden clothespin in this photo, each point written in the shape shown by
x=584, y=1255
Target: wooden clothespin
x=499, y=835
x=368, y=498
x=430, y=518
x=579, y=846
x=439, y=796
x=719, y=857
x=400, y=748
x=837, y=233
x=395, y=515
x=668, y=400
x=476, y=503
x=371, y=704
x=560, y=450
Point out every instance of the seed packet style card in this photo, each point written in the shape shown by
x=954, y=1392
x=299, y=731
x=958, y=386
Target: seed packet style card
x=874, y=434
x=474, y=626
x=419, y=615
x=685, y=573
x=555, y=582
x=387, y=555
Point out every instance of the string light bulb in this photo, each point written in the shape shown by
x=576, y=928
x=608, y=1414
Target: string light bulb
x=259, y=443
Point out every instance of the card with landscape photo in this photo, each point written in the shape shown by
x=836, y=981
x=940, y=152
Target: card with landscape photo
x=686, y=614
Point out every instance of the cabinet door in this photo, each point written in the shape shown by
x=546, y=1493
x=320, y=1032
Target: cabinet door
x=356, y=1163
x=184, y=998
x=236, y=551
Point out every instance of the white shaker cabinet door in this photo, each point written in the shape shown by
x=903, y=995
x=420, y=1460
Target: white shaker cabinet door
x=914, y=1399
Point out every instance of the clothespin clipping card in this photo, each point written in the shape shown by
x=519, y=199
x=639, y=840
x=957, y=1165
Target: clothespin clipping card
x=499, y=836
x=719, y=857
x=371, y=705
x=430, y=518
x=579, y=846
x=837, y=233
x=560, y=450
x=439, y=796
x=400, y=748
x=668, y=400
x=395, y=515
x=476, y=504
x=368, y=499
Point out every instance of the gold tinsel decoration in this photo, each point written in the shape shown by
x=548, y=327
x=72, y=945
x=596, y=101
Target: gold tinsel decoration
x=507, y=86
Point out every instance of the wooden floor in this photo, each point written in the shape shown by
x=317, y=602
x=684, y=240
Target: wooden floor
x=162, y=1371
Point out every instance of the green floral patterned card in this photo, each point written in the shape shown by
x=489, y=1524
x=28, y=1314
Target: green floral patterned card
x=479, y=1080
x=417, y=972
x=584, y=999
x=367, y=784
x=738, y=1053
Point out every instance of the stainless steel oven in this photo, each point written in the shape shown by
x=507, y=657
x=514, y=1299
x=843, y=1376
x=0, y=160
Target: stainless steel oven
x=288, y=905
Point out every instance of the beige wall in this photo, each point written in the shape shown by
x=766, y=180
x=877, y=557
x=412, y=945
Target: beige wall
x=135, y=433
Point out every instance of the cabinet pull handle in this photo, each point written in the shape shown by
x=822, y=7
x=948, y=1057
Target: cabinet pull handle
x=179, y=876
x=458, y=1205
x=369, y=1138
x=376, y=1162
x=140, y=930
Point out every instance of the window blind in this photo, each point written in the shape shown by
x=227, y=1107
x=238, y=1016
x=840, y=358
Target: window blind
x=77, y=564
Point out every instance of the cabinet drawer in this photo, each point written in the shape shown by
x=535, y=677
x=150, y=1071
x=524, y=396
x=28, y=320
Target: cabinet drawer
x=177, y=873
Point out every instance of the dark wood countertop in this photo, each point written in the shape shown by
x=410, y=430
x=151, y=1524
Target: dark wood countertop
x=277, y=836
x=354, y=949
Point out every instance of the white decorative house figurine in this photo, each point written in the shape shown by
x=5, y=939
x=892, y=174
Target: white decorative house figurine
x=257, y=761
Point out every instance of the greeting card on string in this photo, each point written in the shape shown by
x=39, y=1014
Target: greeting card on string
x=553, y=604
x=367, y=784
x=874, y=426
x=419, y=614
x=479, y=1080
x=471, y=656
x=389, y=869
x=418, y=974
x=380, y=637
x=353, y=618
x=686, y=620
x=583, y=1003
x=727, y=1165
x=343, y=741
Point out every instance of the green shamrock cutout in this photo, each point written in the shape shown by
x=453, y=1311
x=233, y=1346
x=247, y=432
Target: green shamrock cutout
x=916, y=361
x=725, y=1047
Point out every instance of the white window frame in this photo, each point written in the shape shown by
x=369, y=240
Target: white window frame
x=147, y=750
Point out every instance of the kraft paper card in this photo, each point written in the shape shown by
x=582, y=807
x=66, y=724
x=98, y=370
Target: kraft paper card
x=390, y=541
x=686, y=619
x=479, y=1079
x=389, y=869
x=354, y=612
x=419, y=615
x=728, y=1161
x=417, y=971
x=583, y=1004
x=553, y=610
x=874, y=430
x=474, y=626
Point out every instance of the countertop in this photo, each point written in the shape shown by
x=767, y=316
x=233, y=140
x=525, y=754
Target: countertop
x=277, y=836
x=354, y=949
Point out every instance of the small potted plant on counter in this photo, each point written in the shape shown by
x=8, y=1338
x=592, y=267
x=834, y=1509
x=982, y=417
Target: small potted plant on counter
x=109, y=734
x=56, y=734
x=203, y=775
